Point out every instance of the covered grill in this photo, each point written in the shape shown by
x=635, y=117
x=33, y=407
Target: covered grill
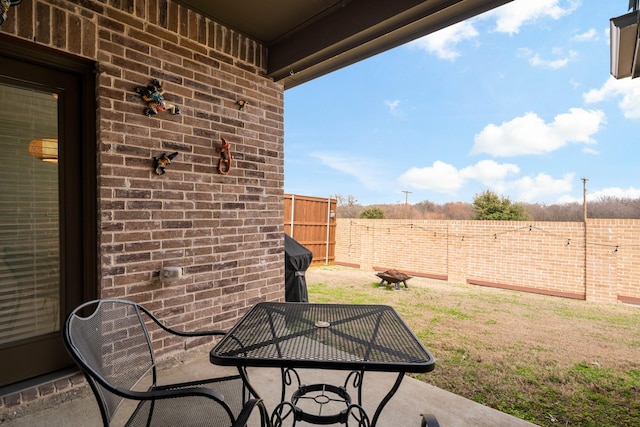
x=297, y=259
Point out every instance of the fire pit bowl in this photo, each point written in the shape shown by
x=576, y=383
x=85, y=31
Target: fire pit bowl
x=393, y=277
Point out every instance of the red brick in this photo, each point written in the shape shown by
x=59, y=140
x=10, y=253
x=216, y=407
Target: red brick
x=189, y=216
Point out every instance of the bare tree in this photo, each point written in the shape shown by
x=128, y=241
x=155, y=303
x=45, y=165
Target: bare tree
x=614, y=207
x=426, y=207
x=347, y=206
x=459, y=211
x=605, y=207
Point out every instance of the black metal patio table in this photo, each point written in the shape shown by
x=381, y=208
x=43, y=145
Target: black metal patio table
x=350, y=337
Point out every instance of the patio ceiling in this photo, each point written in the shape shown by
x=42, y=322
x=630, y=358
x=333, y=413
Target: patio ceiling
x=306, y=39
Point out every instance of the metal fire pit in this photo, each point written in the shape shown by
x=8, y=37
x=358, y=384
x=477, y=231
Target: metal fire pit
x=393, y=277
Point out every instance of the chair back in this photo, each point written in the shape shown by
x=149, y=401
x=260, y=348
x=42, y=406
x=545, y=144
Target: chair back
x=110, y=342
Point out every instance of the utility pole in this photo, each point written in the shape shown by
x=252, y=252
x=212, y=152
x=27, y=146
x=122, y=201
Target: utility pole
x=586, y=255
x=406, y=202
x=584, y=198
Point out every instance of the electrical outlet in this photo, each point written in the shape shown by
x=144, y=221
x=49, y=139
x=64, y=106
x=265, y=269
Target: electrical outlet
x=170, y=273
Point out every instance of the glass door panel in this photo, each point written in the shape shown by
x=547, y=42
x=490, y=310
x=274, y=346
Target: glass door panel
x=48, y=207
x=29, y=215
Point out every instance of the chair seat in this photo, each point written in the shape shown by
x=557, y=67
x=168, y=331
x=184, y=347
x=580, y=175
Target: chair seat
x=190, y=411
x=110, y=342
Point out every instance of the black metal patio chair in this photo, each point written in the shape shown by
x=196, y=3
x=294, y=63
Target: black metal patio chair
x=110, y=340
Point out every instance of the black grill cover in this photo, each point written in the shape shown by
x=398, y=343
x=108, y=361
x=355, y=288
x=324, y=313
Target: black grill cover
x=297, y=259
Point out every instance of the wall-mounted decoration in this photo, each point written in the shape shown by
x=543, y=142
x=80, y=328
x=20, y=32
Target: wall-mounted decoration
x=226, y=159
x=153, y=95
x=241, y=104
x=4, y=8
x=162, y=162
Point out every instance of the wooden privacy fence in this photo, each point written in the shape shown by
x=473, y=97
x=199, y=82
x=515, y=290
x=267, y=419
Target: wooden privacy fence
x=312, y=222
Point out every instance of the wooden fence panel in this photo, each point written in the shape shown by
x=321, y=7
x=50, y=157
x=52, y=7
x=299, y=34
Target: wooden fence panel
x=311, y=221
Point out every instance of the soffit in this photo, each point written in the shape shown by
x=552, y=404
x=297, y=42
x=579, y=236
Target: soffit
x=306, y=39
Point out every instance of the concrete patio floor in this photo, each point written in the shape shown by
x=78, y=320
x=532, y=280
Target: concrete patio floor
x=413, y=398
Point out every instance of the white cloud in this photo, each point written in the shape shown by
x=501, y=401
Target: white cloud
x=622, y=193
x=536, y=61
x=594, y=196
x=392, y=104
x=393, y=107
x=489, y=172
x=364, y=170
x=502, y=178
x=590, y=35
x=627, y=89
x=443, y=43
x=512, y=16
x=540, y=187
x=442, y=177
x=509, y=18
x=529, y=134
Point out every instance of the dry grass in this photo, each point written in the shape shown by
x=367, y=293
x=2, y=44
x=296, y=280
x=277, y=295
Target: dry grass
x=548, y=360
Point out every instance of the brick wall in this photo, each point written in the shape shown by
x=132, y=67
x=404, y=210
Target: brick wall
x=225, y=231
x=598, y=263
x=613, y=254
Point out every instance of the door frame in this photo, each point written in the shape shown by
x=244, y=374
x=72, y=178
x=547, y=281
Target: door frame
x=79, y=279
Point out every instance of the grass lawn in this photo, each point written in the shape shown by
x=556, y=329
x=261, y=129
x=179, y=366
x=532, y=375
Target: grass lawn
x=548, y=360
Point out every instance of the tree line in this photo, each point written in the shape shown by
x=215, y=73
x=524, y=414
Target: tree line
x=491, y=206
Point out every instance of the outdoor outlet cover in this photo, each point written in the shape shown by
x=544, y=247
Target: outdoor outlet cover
x=170, y=273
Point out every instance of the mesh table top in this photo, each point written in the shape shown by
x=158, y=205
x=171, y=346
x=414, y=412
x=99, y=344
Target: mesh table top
x=329, y=336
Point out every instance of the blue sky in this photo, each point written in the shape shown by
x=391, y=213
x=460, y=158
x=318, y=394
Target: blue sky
x=519, y=101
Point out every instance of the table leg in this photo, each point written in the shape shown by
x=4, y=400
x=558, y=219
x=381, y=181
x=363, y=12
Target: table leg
x=356, y=379
x=386, y=399
x=245, y=379
x=283, y=411
x=287, y=375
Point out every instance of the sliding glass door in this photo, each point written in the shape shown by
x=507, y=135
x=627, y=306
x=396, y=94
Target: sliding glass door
x=29, y=215
x=47, y=206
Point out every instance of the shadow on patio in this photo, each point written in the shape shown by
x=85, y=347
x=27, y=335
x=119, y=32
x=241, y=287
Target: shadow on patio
x=413, y=398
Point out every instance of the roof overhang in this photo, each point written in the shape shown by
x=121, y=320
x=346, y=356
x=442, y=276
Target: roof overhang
x=625, y=45
x=306, y=39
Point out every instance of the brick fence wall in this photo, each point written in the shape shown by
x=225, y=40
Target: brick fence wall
x=598, y=262
x=225, y=231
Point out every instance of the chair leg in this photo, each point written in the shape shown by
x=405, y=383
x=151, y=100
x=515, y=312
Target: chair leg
x=429, y=420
